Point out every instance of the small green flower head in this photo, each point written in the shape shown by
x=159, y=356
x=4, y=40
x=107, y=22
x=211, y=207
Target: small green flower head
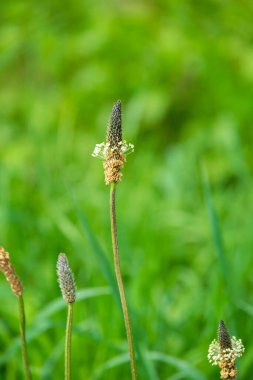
x=114, y=150
x=66, y=279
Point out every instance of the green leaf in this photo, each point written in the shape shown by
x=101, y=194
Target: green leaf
x=81, y=295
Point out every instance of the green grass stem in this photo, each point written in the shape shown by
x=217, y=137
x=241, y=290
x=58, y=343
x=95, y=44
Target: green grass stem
x=23, y=337
x=68, y=342
x=120, y=281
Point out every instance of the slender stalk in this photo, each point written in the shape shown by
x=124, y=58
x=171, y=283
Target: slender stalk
x=68, y=342
x=120, y=281
x=23, y=337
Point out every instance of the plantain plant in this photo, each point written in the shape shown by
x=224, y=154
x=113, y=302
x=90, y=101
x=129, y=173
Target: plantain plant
x=68, y=290
x=224, y=352
x=8, y=270
x=113, y=152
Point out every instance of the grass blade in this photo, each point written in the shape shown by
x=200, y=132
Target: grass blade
x=218, y=243
x=81, y=295
x=215, y=227
x=102, y=260
x=181, y=365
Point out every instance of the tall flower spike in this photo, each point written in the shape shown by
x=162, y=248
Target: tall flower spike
x=66, y=279
x=8, y=270
x=224, y=352
x=224, y=337
x=114, y=131
x=114, y=151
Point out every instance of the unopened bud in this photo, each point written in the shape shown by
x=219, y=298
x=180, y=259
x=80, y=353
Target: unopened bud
x=66, y=279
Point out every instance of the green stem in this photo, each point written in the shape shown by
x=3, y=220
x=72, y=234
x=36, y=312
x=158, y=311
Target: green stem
x=68, y=342
x=120, y=281
x=23, y=337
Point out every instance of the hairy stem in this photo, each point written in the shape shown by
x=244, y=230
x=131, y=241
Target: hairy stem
x=68, y=342
x=120, y=281
x=23, y=337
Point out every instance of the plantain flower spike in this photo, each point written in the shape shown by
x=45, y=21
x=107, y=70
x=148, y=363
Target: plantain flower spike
x=224, y=352
x=66, y=279
x=224, y=337
x=114, y=150
x=8, y=270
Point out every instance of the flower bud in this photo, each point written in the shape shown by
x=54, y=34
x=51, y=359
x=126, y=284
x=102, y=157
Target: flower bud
x=66, y=279
x=8, y=270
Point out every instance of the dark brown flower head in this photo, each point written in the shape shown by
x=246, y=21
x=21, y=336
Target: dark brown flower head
x=114, y=131
x=66, y=279
x=114, y=151
x=8, y=270
x=223, y=336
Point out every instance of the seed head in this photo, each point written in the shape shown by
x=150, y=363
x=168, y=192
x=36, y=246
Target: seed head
x=224, y=337
x=8, y=270
x=114, y=150
x=66, y=279
x=114, y=131
x=224, y=352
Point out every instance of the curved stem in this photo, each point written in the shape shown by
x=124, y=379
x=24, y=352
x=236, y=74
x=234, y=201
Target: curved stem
x=120, y=281
x=23, y=337
x=68, y=342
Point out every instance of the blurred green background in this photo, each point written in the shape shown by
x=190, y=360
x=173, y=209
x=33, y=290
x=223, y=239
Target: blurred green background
x=184, y=73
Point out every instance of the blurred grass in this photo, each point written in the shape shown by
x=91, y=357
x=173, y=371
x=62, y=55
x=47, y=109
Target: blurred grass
x=184, y=73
